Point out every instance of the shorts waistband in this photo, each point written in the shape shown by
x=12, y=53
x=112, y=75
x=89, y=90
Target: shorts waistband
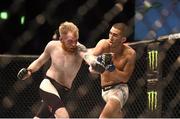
x=53, y=81
x=108, y=87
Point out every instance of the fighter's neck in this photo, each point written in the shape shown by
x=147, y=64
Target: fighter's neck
x=117, y=48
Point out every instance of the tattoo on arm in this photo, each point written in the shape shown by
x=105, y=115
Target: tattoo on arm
x=82, y=48
x=86, y=57
x=89, y=58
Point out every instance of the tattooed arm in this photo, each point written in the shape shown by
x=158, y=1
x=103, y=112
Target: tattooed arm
x=86, y=54
x=90, y=59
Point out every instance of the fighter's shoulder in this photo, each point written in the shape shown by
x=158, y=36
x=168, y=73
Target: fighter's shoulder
x=103, y=42
x=130, y=51
x=52, y=43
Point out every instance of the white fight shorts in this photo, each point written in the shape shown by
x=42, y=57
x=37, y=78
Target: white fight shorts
x=119, y=92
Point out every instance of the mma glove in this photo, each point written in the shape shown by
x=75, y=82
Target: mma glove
x=106, y=61
x=98, y=67
x=110, y=67
x=22, y=73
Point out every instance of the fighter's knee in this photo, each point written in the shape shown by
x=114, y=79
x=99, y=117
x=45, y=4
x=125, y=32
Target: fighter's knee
x=102, y=116
x=36, y=117
x=61, y=113
x=122, y=113
x=114, y=114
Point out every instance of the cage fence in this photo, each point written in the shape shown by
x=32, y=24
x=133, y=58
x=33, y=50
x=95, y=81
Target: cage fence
x=153, y=86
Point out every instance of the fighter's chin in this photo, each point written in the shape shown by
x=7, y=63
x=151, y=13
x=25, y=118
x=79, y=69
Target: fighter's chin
x=70, y=50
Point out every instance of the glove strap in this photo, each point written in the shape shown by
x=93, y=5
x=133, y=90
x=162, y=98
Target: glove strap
x=110, y=68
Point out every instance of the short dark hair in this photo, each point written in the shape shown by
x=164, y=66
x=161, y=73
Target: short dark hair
x=122, y=27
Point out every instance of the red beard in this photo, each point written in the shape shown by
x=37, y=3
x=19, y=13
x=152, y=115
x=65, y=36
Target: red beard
x=70, y=50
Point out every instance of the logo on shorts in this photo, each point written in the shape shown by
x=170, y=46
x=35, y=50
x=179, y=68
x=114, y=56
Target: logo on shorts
x=153, y=59
x=152, y=100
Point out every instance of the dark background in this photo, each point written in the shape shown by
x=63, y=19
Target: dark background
x=25, y=97
x=11, y=29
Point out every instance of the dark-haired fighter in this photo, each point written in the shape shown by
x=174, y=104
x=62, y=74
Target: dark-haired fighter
x=114, y=79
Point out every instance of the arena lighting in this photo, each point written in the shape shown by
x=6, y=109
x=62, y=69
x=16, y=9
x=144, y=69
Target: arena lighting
x=108, y=17
x=22, y=20
x=4, y=15
x=82, y=10
x=118, y=7
x=40, y=19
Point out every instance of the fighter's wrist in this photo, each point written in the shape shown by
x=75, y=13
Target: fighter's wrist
x=90, y=59
x=110, y=67
x=30, y=70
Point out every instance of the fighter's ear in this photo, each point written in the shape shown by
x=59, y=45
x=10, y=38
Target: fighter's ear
x=124, y=39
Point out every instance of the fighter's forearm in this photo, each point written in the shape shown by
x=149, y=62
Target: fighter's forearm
x=86, y=54
x=90, y=59
x=37, y=64
x=34, y=66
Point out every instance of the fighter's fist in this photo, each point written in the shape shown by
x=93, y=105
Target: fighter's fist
x=106, y=61
x=110, y=67
x=23, y=74
x=98, y=67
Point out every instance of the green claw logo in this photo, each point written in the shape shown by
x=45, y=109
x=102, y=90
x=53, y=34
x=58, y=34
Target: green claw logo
x=153, y=59
x=152, y=100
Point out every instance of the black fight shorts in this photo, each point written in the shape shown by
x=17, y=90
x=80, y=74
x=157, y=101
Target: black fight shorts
x=54, y=94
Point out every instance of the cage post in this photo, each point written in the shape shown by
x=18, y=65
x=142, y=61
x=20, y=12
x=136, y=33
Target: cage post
x=153, y=77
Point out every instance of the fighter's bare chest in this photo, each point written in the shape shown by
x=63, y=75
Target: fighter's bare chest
x=120, y=62
x=63, y=59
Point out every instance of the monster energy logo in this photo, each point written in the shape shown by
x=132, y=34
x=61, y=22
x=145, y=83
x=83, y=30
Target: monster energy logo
x=152, y=100
x=153, y=59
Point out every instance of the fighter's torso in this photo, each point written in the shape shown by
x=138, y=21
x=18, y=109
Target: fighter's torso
x=64, y=65
x=119, y=60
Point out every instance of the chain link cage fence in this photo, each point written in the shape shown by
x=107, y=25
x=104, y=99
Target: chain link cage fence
x=148, y=97
x=154, y=85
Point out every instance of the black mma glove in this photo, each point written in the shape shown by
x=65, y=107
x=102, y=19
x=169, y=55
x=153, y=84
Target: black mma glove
x=23, y=72
x=98, y=67
x=106, y=60
x=110, y=67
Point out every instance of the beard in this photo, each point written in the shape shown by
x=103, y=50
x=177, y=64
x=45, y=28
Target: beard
x=70, y=50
